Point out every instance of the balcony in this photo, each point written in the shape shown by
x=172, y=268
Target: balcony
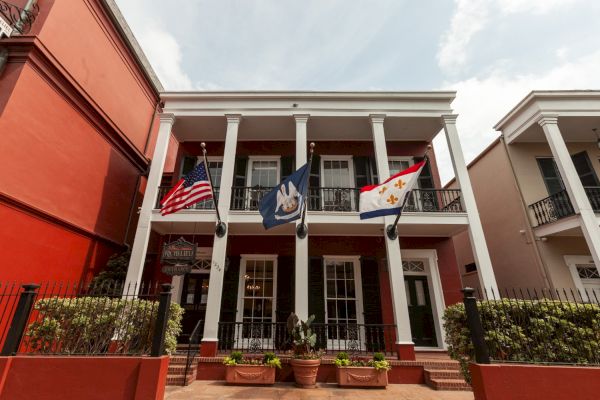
x=202, y=205
x=558, y=205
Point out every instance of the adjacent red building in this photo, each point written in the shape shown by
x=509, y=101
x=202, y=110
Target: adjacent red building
x=78, y=102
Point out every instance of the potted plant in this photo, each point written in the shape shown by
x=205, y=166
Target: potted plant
x=362, y=372
x=306, y=359
x=242, y=370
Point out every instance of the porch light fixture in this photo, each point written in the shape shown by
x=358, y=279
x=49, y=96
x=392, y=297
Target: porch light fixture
x=595, y=130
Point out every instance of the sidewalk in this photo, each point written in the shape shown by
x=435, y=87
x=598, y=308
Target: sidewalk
x=219, y=390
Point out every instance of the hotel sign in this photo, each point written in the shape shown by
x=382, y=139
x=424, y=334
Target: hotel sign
x=178, y=257
x=5, y=28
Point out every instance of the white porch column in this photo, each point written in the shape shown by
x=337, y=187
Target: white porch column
x=404, y=343
x=487, y=280
x=142, y=233
x=219, y=252
x=301, y=267
x=573, y=185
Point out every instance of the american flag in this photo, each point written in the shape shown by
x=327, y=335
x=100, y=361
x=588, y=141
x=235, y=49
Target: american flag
x=194, y=187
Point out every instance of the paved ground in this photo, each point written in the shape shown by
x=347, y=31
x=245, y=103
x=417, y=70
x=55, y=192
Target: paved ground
x=219, y=390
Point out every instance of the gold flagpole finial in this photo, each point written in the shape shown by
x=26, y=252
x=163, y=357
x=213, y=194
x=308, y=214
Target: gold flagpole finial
x=312, y=146
x=203, y=145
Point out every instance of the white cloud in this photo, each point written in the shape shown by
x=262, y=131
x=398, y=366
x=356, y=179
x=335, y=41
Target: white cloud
x=482, y=102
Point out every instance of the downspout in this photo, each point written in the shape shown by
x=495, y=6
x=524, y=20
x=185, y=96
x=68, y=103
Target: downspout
x=139, y=177
x=536, y=250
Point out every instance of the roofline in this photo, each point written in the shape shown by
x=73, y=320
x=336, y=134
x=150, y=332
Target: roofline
x=537, y=94
x=131, y=42
x=280, y=94
x=476, y=159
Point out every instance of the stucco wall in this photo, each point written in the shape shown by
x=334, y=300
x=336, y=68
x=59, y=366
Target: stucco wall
x=553, y=250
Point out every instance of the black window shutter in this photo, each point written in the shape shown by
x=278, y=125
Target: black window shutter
x=230, y=290
x=285, y=288
x=287, y=166
x=551, y=176
x=239, y=182
x=361, y=171
x=584, y=168
x=369, y=273
x=426, y=178
x=374, y=174
x=314, y=182
x=316, y=296
x=187, y=164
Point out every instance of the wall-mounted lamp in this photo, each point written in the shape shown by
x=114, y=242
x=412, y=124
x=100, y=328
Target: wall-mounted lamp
x=595, y=130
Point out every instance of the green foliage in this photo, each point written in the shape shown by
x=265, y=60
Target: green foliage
x=543, y=331
x=268, y=359
x=91, y=325
x=378, y=357
x=304, y=338
x=380, y=365
x=342, y=356
x=114, y=273
x=342, y=362
x=378, y=361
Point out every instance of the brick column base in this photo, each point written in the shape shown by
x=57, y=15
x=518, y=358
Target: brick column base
x=405, y=351
x=208, y=348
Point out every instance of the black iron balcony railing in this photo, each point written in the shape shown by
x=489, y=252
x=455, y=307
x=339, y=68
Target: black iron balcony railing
x=202, y=205
x=347, y=199
x=558, y=205
x=259, y=337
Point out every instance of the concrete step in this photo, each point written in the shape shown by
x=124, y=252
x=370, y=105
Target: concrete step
x=442, y=374
x=448, y=384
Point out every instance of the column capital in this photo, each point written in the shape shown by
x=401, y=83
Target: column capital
x=301, y=117
x=168, y=118
x=449, y=119
x=233, y=118
x=547, y=119
x=377, y=118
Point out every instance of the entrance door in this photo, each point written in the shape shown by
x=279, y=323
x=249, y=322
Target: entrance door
x=420, y=311
x=193, y=300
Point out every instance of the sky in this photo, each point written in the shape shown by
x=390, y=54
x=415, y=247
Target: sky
x=492, y=52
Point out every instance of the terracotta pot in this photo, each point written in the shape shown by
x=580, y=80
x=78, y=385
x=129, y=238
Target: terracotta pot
x=249, y=374
x=361, y=377
x=305, y=372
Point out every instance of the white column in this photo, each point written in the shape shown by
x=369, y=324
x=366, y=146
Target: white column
x=573, y=185
x=142, y=233
x=394, y=259
x=301, y=273
x=219, y=252
x=487, y=280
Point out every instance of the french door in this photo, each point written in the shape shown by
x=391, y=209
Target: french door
x=263, y=175
x=338, y=181
x=343, y=300
x=256, y=302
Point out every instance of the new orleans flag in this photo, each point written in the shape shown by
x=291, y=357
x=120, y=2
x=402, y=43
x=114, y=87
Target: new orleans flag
x=388, y=197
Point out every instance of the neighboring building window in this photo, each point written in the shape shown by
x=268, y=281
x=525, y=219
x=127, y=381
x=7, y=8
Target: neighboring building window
x=587, y=271
x=584, y=169
x=472, y=267
x=342, y=294
x=552, y=177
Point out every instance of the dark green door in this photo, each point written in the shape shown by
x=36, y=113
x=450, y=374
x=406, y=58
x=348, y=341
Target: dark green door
x=420, y=311
x=193, y=300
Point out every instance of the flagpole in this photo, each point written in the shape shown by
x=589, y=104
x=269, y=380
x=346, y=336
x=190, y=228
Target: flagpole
x=302, y=229
x=221, y=228
x=392, y=229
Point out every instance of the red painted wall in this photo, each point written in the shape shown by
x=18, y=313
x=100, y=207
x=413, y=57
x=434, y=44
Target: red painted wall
x=533, y=382
x=65, y=378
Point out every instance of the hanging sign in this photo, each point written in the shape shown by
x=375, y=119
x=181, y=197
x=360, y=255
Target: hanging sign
x=5, y=28
x=178, y=257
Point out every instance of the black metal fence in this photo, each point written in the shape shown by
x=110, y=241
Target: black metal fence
x=61, y=318
x=548, y=326
x=258, y=337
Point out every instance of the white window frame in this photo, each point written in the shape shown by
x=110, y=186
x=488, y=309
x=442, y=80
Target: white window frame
x=411, y=160
x=240, y=341
x=580, y=284
x=434, y=284
x=360, y=318
x=252, y=159
x=350, y=160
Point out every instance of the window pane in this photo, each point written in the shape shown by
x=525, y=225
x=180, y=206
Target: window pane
x=330, y=288
x=350, y=289
x=341, y=289
x=420, y=289
x=341, y=309
x=331, y=314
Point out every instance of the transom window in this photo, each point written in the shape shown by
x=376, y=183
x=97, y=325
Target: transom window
x=413, y=266
x=587, y=271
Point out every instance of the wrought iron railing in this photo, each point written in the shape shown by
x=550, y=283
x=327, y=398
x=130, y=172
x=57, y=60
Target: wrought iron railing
x=258, y=337
x=193, y=347
x=202, y=205
x=552, y=208
x=593, y=194
x=347, y=199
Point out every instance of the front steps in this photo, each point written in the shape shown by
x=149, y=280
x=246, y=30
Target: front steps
x=446, y=377
x=176, y=374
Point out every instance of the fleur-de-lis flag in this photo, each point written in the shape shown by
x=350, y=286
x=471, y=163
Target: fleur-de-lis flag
x=388, y=197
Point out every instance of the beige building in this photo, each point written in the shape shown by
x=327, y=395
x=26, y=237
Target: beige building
x=538, y=193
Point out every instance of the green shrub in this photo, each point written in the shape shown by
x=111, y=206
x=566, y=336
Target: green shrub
x=236, y=356
x=89, y=325
x=378, y=357
x=541, y=331
x=342, y=356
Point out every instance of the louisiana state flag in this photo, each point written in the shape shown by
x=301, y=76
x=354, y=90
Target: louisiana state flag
x=285, y=202
x=388, y=197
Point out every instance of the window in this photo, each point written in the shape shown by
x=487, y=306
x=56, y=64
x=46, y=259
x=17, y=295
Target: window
x=342, y=297
x=587, y=271
x=216, y=169
x=584, y=169
x=337, y=180
x=472, y=267
x=264, y=173
x=553, y=180
x=398, y=164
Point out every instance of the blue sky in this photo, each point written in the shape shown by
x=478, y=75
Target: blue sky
x=493, y=52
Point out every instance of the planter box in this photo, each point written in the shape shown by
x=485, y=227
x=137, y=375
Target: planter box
x=249, y=374
x=361, y=377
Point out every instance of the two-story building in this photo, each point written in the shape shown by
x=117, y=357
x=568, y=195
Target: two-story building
x=367, y=291
x=538, y=194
